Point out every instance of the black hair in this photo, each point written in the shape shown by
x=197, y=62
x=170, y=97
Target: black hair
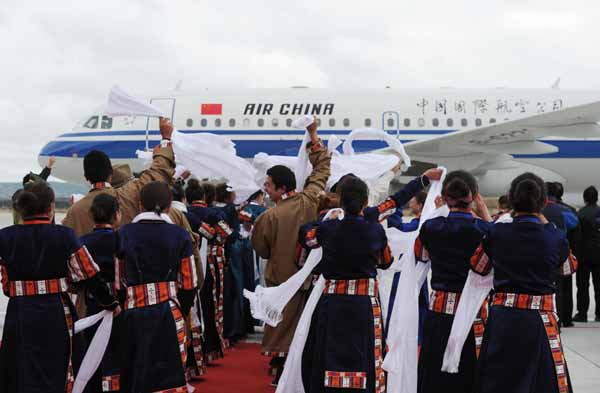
x=209, y=193
x=178, y=191
x=282, y=177
x=104, y=207
x=552, y=189
x=336, y=187
x=194, y=191
x=527, y=193
x=460, y=186
x=35, y=199
x=255, y=196
x=32, y=177
x=354, y=195
x=590, y=195
x=560, y=190
x=421, y=197
x=504, y=202
x=156, y=197
x=97, y=167
x=222, y=192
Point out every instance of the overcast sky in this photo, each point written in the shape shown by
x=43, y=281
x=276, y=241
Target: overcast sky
x=60, y=58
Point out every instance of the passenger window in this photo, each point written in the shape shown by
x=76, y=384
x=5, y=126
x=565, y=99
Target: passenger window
x=346, y=122
x=318, y=122
x=92, y=122
x=231, y=122
x=464, y=122
x=390, y=122
x=288, y=122
x=421, y=122
x=435, y=122
x=246, y=122
x=189, y=123
x=217, y=122
x=406, y=122
x=275, y=122
x=492, y=120
x=478, y=122
x=261, y=122
x=449, y=122
x=203, y=122
x=106, y=122
x=331, y=122
x=367, y=122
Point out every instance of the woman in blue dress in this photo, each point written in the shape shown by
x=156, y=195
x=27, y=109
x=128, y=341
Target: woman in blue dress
x=345, y=345
x=39, y=262
x=448, y=243
x=522, y=350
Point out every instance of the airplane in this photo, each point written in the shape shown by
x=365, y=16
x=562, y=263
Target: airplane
x=495, y=134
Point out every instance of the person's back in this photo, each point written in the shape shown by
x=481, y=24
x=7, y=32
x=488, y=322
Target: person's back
x=346, y=333
x=152, y=251
x=522, y=325
x=450, y=242
x=531, y=266
x=589, y=255
x=352, y=248
x=275, y=235
x=103, y=243
x=98, y=171
x=157, y=271
x=590, y=232
x=39, y=262
x=37, y=250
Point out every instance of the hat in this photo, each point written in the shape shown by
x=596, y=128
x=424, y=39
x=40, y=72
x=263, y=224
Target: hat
x=121, y=175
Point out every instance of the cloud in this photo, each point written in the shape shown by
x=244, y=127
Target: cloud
x=61, y=57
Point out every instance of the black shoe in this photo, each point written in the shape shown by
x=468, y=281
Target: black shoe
x=597, y=318
x=579, y=317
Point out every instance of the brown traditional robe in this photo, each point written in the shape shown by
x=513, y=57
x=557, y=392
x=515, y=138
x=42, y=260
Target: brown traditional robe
x=79, y=217
x=274, y=237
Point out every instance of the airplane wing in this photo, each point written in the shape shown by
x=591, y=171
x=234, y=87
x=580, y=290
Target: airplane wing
x=520, y=136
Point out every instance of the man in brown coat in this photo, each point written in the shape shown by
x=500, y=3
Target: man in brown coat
x=98, y=171
x=275, y=235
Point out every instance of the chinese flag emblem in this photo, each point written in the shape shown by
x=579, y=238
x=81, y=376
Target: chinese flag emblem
x=211, y=109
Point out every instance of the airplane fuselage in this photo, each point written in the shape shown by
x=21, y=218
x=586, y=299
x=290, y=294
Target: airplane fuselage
x=259, y=120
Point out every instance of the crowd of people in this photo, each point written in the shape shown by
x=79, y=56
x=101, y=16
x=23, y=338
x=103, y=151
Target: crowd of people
x=171, y=257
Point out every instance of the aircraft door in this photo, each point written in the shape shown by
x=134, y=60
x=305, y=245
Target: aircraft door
x=166, y=105
x=390, y=122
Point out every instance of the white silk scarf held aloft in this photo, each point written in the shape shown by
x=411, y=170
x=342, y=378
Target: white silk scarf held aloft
x=122, y=104
x=402, y=337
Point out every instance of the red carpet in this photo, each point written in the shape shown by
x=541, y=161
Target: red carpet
x=243, y=369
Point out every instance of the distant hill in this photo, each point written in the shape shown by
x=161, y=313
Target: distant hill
x=62, y=192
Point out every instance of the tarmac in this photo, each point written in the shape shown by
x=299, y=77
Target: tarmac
x=581, y=343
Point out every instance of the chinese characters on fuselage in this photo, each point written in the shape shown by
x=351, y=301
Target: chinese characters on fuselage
x=484, y=106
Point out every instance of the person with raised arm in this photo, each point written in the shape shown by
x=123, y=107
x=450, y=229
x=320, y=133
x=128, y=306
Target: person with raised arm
x=448, y=243
x=521, y=349
x=275, y=235
x=98, y=170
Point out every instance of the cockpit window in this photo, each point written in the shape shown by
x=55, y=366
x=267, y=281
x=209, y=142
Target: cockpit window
x=92, y=122
x=106, y=122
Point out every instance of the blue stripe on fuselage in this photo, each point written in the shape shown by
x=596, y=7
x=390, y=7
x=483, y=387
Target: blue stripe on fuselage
x=248, y=148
